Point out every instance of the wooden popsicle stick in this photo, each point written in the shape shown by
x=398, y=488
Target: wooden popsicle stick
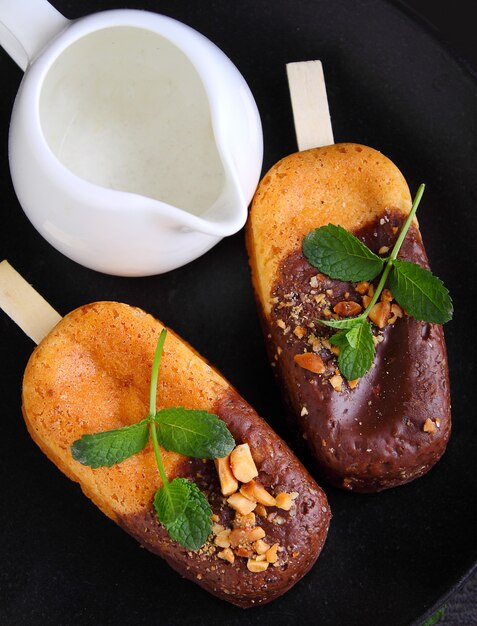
x=311, y=112
x=24, y=305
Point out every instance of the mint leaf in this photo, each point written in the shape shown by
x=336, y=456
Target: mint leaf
x=353, y=336
x=111, y=446
x=171, y=500
x=420, y=293
x=339, y=254
x=356, y=350
x=194, y=433
x=340, y=340
x=193, y=524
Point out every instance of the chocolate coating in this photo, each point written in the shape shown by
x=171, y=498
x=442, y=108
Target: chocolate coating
x=370, y=437
x=301, y=531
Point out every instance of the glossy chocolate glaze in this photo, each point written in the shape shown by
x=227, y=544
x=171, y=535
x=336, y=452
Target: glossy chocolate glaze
x=301, y=531
x=371, y=437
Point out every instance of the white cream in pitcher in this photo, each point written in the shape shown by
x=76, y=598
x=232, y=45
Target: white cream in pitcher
x=133, y=116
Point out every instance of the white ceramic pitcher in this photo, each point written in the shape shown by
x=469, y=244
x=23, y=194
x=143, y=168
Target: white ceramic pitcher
x=135, y=144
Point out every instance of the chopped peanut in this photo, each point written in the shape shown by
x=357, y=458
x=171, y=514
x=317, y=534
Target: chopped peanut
x=257, y=566
x=244, y=521
x=336, y=381
x=366, y=300
x=383, y=249
x=386, y=296
x=347, y=308
x=223, y=539
x=217, y=528
x=239, y=537
x=362, y=287
x=429, y=426
x=299, y=332
x=271, y=555
x=396, y=312
x=241, y=504
x=261, y=510
x=371, y=291
x=314, y=342
x=257, y=493
x=380, y=313
x=242, y=463
x=245, y=552
x=261, y=547
x=254, y=534
x=353, y=383
x=228, y=482
x=227, y=555
x=312, y=362
x=284, y=501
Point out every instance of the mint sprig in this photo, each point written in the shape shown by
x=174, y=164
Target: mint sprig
x=179, y=504
x=342, y=256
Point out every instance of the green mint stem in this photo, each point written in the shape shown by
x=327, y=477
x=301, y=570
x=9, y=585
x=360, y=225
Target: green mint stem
x=155, y=373
x=378, y=290
x=407, y=223
x=394, y=252
x=152, y=405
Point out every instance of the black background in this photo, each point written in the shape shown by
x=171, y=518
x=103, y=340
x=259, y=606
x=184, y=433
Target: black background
x=390, y=558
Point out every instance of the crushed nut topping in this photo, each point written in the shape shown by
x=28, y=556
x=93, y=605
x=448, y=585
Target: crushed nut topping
x=257, y=566
x=227, y=555
x=272, y=553
x=257, y=493
x=247, y=539
x=311, y=362
x=228, y=482
x=396, y=312
x=242, y=464
x=362, y=287
x=284, y=501
x=347, y=308
x=429, y=426
x=336, y=382
x=380, y=314
x=240, y=503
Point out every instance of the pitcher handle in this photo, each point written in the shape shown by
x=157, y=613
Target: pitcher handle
x=26, y=26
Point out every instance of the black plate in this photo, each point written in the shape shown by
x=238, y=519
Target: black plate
x=389, y=558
